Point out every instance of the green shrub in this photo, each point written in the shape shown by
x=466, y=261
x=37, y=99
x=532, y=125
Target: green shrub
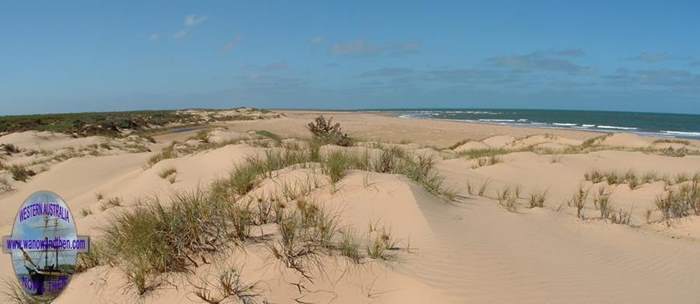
x=329, y=133
x=21, y=173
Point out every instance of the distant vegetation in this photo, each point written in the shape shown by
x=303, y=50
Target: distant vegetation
x=105, y=123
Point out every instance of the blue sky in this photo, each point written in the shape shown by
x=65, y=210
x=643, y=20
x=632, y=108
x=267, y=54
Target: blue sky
x=59, y=56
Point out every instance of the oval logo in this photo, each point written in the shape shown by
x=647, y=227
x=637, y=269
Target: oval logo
x=44, y=245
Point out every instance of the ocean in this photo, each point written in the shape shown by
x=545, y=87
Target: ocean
x=657, y=124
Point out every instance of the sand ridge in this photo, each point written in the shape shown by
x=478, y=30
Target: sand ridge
x=470, y=250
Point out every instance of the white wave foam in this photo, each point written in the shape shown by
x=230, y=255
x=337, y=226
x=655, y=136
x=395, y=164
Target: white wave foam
x=564, y=124
x=616, y=127
x=497, y=120
x=680, y=133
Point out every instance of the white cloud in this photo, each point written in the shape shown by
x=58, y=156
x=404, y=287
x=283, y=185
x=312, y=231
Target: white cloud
x=154, y=37
x=316, y=40
x=181, y=34
x=366, y=48
x=193, y=20
x=232, y=44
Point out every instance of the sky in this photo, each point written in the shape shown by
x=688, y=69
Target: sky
x=77, y=56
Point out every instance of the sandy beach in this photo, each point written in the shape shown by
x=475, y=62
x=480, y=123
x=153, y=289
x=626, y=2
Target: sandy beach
x=439, y=212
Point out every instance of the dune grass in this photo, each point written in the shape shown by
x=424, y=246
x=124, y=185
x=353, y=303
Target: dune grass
x=578, y=200
x=167, y=153
x=537, y=199
x=481, y=153
x=20, y=172
x=85, y=212
x=487, y=161
x=336, y=164
x=267, y=134
x=5, y=185
x=226, y=287
x=111, y=203
x=671, y=141
x=156, y=238
x=680, y=202
x=507, y=199
x=601, y=200
x=166, y=172
x=381, y=243
x=634, y=180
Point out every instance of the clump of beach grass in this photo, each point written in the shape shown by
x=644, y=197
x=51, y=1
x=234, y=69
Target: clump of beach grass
x=336, y=164
x=487, y=161
x=10, y=148
x=484, y=187
x=621, y=217
x=92, y=258
x=483, y=153
x=167, y=153
x=169, y=174
x=349, y=246
x=85, y=212
x=5, y=185
x=671, y=141
x=20, y=172
x=537, y=199
x=381, y=243
x=227, y=286
x=507, y=199
x=601, y=200
x=681, y=202
x=267, y=134
x=110, y=203
x=578, y=200
x=155, y=238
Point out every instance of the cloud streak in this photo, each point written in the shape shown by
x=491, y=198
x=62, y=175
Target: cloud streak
x=190, y=22
x=549, y=61
x=363, y=48
x=651, y=57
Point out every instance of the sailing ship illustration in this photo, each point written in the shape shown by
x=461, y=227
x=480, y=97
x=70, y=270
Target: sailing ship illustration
x=47, y=275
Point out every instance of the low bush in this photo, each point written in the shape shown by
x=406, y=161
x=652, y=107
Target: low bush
x=21, y=173
x=325, y=131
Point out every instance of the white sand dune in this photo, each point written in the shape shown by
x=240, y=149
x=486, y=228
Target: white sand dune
x=468, y=251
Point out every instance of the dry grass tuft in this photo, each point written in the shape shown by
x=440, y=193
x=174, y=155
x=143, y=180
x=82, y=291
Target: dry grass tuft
x=579, y=201
x=21, y=173
x=537, y=199
x=5, y=185
x=227, y=287
x=167, y=172
x=110, y=203
x=381, y=243
x=507, y=199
